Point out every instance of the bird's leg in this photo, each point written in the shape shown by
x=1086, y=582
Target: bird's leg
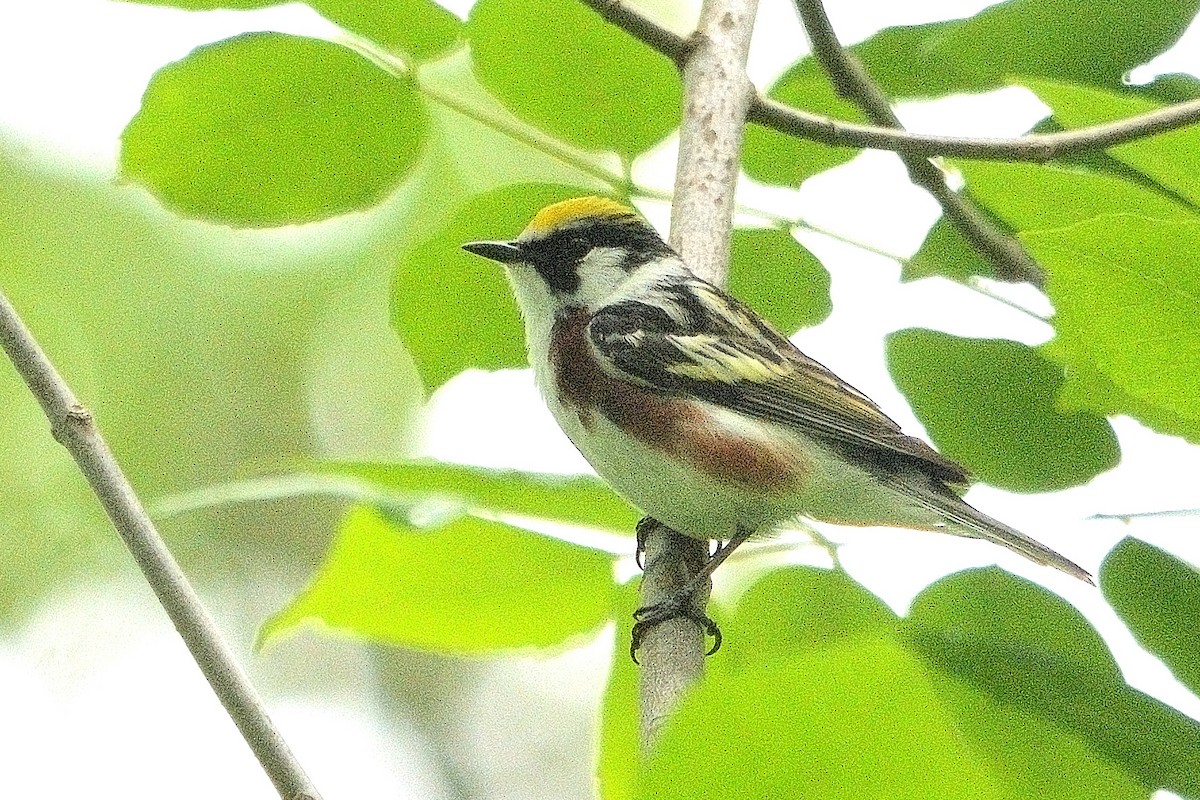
x=723, y=552
x=682, y=604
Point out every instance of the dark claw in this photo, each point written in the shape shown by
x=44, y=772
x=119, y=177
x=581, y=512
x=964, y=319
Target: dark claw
x=681, y=605
x=644, y=527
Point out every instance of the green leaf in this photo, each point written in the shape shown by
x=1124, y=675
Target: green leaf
x=559, y=66
x=991, y=404
x=1126, y=291
x=819, y=690
x=1175, y=87
x=1026, y=197
x=267, y=129
x=1088, y=261
x=860, y=718
x=1031, y=756
x=1033, y=654
x=966, y=616
x=1087, y=387
x=470, y=587
x=1033, y=197
x=419, y=28
x=1090, y=43
x=455, y=310
x=945, y=252
x=1171, y=159
x=779, y=278
x=1158, y=597
x=578, y=501
x=799, y=609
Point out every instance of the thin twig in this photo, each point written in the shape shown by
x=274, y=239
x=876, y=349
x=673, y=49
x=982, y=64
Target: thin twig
x=73, y=426
x=1130, y=517
x=716, y=94
x=1036, y=148
x=852, y=82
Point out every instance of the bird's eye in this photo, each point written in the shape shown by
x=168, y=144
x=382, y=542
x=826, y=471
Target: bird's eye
x=576, y=247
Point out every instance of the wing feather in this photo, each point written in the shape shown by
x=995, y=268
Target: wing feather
x=694, y=339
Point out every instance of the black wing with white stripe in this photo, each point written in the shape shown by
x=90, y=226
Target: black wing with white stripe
x=693, y=339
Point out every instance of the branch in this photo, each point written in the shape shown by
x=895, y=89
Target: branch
x=716, y=95
x=671, y=654
x=1130, y=517
x=852, y=82
x=73, y=426
x=1036, y=148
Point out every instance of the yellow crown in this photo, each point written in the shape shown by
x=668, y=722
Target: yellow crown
x=559, y=214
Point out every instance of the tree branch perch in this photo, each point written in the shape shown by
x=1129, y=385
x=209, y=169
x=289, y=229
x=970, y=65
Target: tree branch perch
x=73, y=426
x=1035, y=148
x=716, y=94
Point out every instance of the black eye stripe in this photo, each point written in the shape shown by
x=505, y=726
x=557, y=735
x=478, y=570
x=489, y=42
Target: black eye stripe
x=560, y=274
x=640, y=238
x=556, y=257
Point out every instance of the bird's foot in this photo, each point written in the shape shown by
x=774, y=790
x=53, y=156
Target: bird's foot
x=681, y=605
x=683, y=602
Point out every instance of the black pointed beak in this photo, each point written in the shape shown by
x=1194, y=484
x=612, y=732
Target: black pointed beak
x=504, y=252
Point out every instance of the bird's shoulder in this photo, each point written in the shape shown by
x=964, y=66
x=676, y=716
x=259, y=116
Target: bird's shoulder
x=687, y=336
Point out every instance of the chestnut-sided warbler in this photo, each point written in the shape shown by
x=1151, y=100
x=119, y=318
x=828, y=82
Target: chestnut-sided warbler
x=696, y=410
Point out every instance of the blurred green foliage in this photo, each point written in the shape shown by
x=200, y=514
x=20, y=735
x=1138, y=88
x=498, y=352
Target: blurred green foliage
x=191, y=346
x=989, y=687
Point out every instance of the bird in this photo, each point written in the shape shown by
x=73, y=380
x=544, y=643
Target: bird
x=700, y=413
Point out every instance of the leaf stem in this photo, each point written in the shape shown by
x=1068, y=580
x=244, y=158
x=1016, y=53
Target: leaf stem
x=529, y=136
x=506, y=124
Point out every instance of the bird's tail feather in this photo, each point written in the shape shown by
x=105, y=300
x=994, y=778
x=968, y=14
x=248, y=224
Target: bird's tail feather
x=972, y=522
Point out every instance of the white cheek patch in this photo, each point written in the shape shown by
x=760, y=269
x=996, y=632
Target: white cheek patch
x=600, y=272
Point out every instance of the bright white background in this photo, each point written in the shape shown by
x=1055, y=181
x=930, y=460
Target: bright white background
x=74, y=686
